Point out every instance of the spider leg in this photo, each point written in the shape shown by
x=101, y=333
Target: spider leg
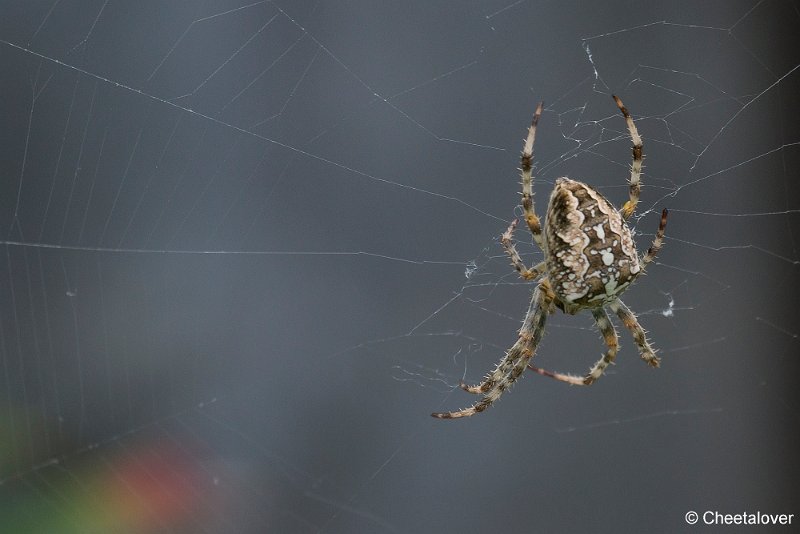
x=507, y=241
x=526, y=167
x=514, y=362
x=657, y=242
x=629, y=320
x=503, y=368
x=636, y=166
x=609, y=336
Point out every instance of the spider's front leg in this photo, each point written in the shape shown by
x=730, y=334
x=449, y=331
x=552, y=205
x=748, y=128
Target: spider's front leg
x=612, y=342
x=639, y=336
x=525, y=336
x=515, y=360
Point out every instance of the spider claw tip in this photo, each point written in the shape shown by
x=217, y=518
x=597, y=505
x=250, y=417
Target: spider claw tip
x=445, y=415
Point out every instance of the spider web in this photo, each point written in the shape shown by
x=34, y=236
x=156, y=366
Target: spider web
x=249, y=246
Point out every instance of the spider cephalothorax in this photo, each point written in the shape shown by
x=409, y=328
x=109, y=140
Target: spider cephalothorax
x=590, y=260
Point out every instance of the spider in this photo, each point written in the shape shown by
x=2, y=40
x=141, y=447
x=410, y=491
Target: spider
x=590, y=260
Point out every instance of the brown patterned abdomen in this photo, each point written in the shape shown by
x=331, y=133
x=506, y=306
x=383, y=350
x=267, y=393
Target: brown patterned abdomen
x=591, y=257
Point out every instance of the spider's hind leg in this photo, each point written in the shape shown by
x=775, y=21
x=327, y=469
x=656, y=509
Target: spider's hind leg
x=634, y=186
x=526, y=168
x=658, y=241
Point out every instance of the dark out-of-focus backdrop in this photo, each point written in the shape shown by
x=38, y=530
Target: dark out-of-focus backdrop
x=247, y=247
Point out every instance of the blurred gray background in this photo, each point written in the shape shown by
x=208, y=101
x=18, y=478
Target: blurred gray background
x=248, y=247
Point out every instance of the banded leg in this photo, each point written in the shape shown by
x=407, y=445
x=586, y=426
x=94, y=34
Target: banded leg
x=636, y=166
x=657, y=242
x=609, y=336
x=514, y=362
x=507, y=241
x=629, y=320
x=526, y=167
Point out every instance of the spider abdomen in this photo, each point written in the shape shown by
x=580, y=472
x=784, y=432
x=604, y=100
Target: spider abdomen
x=591, y=256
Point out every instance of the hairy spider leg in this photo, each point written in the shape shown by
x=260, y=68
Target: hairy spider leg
x=526, y=168
x=636, y=167
x=628, y=318
x=507, y=240
x=515, y=361
x=606, y=328
x=658, y=241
